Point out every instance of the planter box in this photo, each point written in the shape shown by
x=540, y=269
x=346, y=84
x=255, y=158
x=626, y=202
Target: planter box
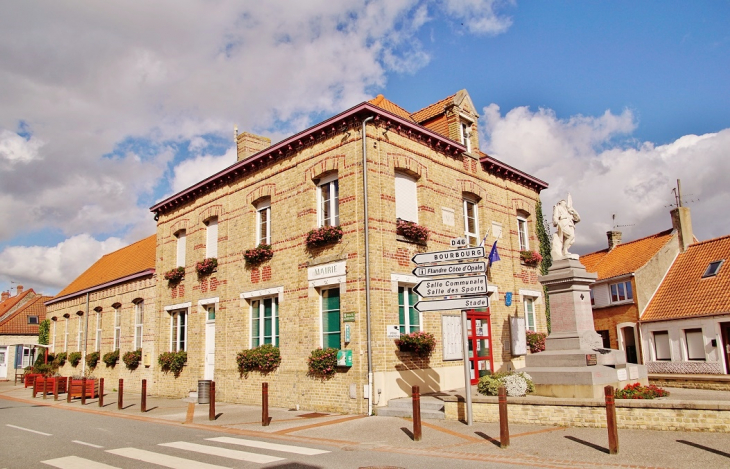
x=92, y=388
x=39, y=382
x=29, y=379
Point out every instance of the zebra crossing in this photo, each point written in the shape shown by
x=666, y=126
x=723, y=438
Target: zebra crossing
x=184, y=449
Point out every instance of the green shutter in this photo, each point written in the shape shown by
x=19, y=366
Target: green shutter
x=401, y=311
x=331, y=318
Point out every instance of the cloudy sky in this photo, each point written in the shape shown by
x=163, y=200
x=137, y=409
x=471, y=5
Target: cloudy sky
x=107, y=107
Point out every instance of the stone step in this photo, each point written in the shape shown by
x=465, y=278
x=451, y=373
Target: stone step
x=403, y=412
x=407, y=403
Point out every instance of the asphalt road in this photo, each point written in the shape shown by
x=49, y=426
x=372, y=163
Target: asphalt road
x=41, y=436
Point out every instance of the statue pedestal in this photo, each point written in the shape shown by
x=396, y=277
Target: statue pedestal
x=574, y=363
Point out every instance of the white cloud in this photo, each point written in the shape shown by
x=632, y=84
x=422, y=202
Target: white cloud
x=16, y=149
x=595, y=159
x=479, y=16
x=192, y=171
x=50, y=269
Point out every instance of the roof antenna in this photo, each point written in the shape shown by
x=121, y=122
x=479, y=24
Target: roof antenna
x=613, y=222
x=678, y=200
x=235, y=133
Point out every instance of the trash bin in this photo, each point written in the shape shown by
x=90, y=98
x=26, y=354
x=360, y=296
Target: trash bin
x=204, y=391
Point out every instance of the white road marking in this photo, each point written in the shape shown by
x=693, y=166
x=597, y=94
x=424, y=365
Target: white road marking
x=85, y=443
x=29, y=430
x=271, y=446
x=75, y=462
x=223, y=452
x=162, y=459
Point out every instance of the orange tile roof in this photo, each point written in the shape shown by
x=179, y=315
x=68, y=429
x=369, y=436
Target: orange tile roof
x=433, y=110
x=625, y=258
x=17, y=322
x=684, y=293
x=383, y=103
x=133, y=259
x=439, y=125
x=11, y=302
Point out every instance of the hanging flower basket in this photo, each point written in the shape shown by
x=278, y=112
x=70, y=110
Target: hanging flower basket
x=259, y=254
x=111, y=358
x=173, y=362
x=264, y=359
x=206, y=266
x=92, y=359
x=323, y=236
x=322, y=363
x=531, y=258
x=412, y=231
x=420, y=343
x=132, y=358
x=174, y=276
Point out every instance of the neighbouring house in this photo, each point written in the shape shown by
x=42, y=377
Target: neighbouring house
x=309, y=255
x=686, y=326
x=107, y=308
x=628, y=276
x=19, y=318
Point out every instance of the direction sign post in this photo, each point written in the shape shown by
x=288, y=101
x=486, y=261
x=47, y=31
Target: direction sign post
x=451, y=269
x=474, y=285
x=453, y=255
x=453, y=303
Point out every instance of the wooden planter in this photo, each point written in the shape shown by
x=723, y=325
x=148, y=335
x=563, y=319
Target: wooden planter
x=29, y=379
x=92, y=388
x=54, y=381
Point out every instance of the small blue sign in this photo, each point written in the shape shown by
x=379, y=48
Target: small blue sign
x=508, y=298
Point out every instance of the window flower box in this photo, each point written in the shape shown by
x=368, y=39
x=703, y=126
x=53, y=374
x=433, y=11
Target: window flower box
x=132, y=359
x=421, y=344
x=259, y=254
x=531, y=258
x=322, y=363
x=323, y=236
x=174, y=276
x=173, y=362
x=264, y=359
x=206, y=266
x=412, y=231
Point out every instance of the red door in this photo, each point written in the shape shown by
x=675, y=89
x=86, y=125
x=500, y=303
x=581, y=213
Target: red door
x=479, y=333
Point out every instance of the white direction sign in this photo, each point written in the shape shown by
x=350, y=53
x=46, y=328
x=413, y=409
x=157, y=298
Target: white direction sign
x=450, y=269
x=474, y=285
x=456, y=303
x=453, y=255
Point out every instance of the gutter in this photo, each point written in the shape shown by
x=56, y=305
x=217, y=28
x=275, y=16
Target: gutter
x=367, y=263
x=101, y=286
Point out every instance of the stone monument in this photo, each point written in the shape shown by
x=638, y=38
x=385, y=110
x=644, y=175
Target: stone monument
x=574, y=363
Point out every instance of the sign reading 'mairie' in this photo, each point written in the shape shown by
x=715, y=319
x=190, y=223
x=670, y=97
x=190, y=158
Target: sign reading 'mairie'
x=474, y=285
x=453, y=255
x=450, y=269
x=454, y=303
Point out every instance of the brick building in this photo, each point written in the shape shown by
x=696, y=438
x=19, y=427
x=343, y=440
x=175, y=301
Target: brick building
x=20, y=315
x=423, y=167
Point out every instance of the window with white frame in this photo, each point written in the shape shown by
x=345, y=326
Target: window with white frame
x=530, y=323
x=409, y=319
x=178, y=330
x=32, y=319
x=97, y=343
x=65, y=334
x=465, y=135
x=661, y=346
x=523, y=234
x=621, y=291
x=265, y=321
x=695, y=344
x=331, y=329
x=406, y=197
x=210, y=312
x=180, y=235
x=328, y=196
x=53, y=336
x=79, y=332
x=138, y=321
x=117, y=327
x=471, y=222
x=211, y=238
x=263, y=222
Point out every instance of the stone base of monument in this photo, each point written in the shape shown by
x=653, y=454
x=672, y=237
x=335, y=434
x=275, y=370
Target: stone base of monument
x=574, y=363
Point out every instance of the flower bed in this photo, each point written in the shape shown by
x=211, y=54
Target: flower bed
x=420, y=343
x=531, y=258
x=412, y=231
x=174, y=276
x=173, y=361
x=264, y=359
x=52, y=381
x=516, y=383
x=259, y=254
x=637, y=391
x=322, y=363
x=323, y=236
x=76, y=388
x=206, y=266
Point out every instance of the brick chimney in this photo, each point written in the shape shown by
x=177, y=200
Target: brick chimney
x=249, y=144
x=5, y=295
x=19, y=289
x=614, y=239
x=682, y=223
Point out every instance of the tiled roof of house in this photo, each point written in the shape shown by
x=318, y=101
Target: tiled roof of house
x=7, y=305
x=625, y=258
x=133, y=259
x=432, y=110
x=17, y=322
x=684, y=293
x=383, y=103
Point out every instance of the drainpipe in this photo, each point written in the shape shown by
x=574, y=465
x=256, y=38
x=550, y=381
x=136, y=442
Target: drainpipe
x=86, y=335
x=367, y=264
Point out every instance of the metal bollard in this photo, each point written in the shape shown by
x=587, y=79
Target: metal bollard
x=416, y=392
x=211, y=404
x=503, y=418
x=611, y=422
x=120, y=399
x=68, y=389
x=83, y=391
x=265, y=404
x=143, y=407
x=101, y=392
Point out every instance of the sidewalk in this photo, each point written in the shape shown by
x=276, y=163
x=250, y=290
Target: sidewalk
x=531, y=446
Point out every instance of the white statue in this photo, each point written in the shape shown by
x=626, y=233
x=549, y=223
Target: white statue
x=564, y=219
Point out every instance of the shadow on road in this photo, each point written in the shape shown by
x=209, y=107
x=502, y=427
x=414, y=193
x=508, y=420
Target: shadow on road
x=407, y=432
x=489, y=439
x=706, y=448
x=588, y=443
